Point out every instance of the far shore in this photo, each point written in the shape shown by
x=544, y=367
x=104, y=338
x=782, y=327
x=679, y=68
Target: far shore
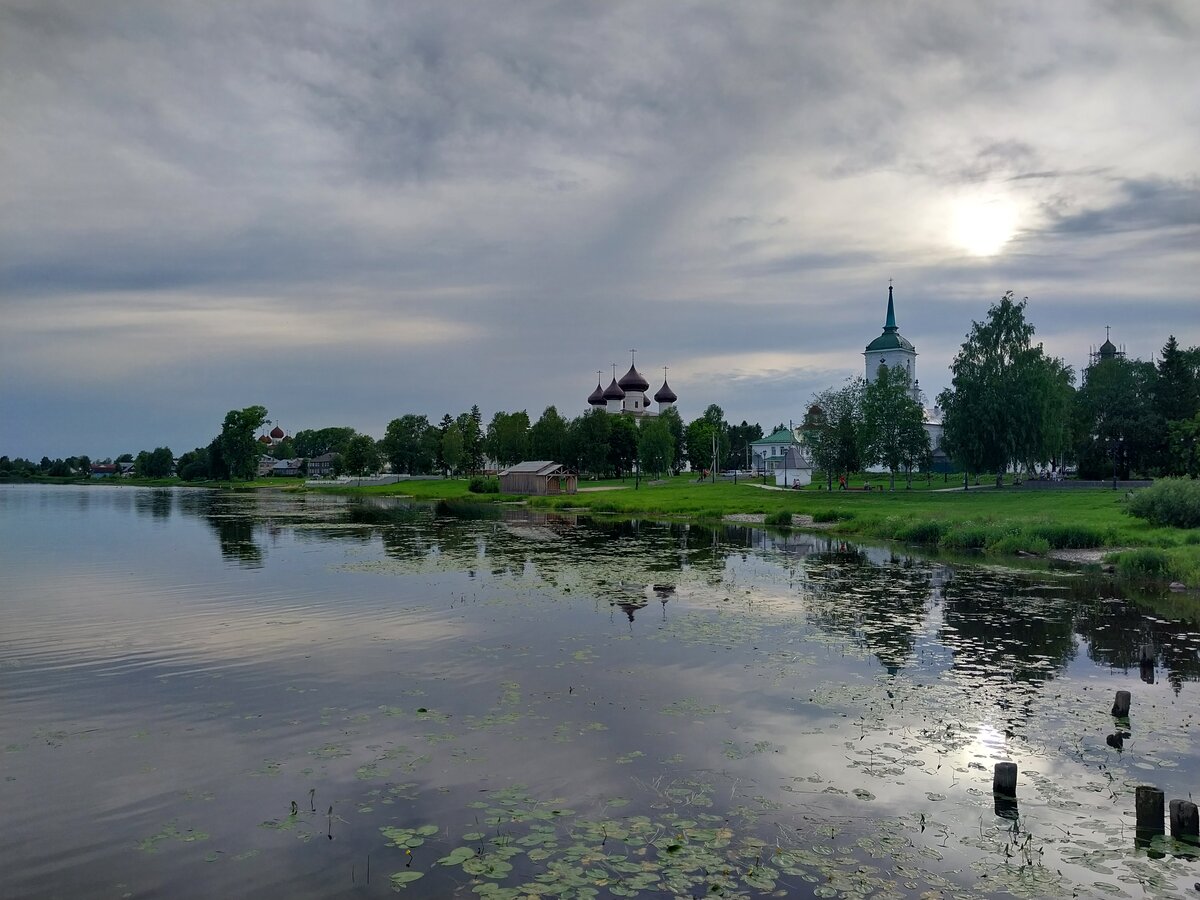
x=1087, y=526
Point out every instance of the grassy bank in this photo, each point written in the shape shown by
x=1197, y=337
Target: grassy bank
x=1006, y=521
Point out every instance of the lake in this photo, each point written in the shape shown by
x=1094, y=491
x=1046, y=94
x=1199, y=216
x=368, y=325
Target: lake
x=298, y=695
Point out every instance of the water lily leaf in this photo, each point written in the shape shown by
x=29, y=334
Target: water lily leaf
x=405, y=877
x=457, y=856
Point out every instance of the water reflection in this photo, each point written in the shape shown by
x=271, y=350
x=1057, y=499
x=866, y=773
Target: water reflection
x=1005, y=632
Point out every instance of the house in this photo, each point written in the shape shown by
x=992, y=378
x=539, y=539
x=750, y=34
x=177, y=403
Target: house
x=538, y=477
x=321, y=466
x=783, y=455
x=286, y=468
x=103, y=470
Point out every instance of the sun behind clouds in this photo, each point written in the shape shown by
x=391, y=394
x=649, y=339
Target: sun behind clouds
x=983, y=225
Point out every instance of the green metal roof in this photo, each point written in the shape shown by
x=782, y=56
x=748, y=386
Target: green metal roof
x=780, y=436
x=890, y=339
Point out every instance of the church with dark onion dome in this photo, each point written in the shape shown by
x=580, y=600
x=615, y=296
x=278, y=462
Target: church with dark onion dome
x=628, y=395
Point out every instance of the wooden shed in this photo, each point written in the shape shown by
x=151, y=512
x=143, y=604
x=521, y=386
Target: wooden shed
x=538, y=477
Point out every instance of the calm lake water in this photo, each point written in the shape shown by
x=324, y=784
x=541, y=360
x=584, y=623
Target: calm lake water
x=212, y=694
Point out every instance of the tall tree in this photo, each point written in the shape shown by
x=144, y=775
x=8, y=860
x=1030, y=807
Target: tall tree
x=994, y=413
x=239, y=447
x=834, y=429
x=893, y=422
x=1177, y=388
x=316, y=442
x=508, y=437
x=452, y=448
x=656, y=447
x=700, y=436
x=622, y=445
x=405, y=446
x=587, y=441
x=740, y=438
x=1116, y=424
x=361, y=456
x=674, y=422
x=548, y=435
x=159, y=463
x=469, y=423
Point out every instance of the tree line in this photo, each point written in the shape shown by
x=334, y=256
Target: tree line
x=1012, y=407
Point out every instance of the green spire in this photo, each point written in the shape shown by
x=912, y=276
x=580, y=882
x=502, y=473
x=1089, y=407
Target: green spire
x=890, y=324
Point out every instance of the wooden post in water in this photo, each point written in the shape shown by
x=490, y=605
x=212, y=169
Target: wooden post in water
x=1147, y=662
x=1121, y=705
x=1185, y=825
x=1004, y=779
x=1148, y=805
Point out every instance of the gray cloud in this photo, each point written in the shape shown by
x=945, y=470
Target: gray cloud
x=314, y=206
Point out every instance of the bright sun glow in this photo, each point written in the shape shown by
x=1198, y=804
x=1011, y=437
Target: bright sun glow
x=982, y=226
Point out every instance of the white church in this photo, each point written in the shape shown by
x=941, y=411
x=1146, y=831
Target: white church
x=628, y=396
x=893, y=349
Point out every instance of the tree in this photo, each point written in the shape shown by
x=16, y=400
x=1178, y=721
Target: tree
x=452, y=448
x=361, y=456
x=740, y=438
x=316, y=442
x=674, y=422
x=994, y=414
x=1116, y=423
x=405, y=445
x=699, y=438
x=548, y=436
x=622, y=445
x=834, y=431
x=893, y=422
x=1177, y=388
x=157, y=464
x=587, y=441
x=471, y=426
x=1183, y=446
x=194, y=465
x=507, y=439
x=239, y=447
x=656, y=448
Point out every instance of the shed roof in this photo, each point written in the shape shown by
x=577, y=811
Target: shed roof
x=536, y=467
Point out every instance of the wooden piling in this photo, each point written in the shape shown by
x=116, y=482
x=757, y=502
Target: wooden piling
x=1185, y=824
x=1121, y=705
x=1004, y=779
x=1148, y=805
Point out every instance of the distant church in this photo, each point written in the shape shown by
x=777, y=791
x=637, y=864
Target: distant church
x=628, y=396
x=893, y=349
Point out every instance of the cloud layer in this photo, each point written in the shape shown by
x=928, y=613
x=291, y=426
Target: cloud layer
x=347, y=212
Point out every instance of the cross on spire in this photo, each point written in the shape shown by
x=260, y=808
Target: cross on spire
x=631, y=357
x=1106, y=330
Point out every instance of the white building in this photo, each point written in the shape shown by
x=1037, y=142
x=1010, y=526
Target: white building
x=893, y=349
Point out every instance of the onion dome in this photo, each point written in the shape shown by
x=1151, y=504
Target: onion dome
x=278, y=433
x=633, y=381
x=614, y=392
x=596, y=397
x=890, y=339
x=665, y=394
x=264, y=440
x=1108, y=349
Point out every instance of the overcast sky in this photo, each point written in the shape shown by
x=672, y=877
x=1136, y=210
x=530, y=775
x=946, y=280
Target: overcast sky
x=348, y=211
